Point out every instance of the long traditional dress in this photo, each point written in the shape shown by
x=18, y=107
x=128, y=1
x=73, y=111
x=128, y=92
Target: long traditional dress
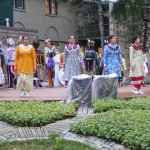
x=73, y=61
x=10, y=56
x=40, y=65
x=91, y=60
x=25, y=61
x=112, y=60
x=51, y=71
x=2, y=62
x=136, y=61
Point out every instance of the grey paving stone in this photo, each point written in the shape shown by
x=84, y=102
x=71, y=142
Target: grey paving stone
x=65, y=132
x=2, y=138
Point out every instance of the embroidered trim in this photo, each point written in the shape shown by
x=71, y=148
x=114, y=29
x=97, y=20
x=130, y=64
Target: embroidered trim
x=74, y=47
x=26, y=48
x=138, y=48
x=113, y=49
x=136, y=82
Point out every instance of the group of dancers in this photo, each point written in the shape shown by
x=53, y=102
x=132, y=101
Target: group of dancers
x=111, y=62
x=25, y=63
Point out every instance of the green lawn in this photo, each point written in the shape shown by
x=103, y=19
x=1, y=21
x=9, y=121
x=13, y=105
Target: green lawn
x=35, y=113
x=44, y=145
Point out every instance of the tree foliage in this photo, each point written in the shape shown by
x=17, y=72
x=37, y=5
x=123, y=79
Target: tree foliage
x=85, y=12
x=132, y=15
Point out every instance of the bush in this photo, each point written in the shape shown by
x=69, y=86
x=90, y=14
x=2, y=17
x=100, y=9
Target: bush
x=129, y=127
x=35, y=113
x=109, y=104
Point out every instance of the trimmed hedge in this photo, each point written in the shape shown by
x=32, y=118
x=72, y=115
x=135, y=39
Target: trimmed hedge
x=110, y=104
x=129, y=127
x=35, y=113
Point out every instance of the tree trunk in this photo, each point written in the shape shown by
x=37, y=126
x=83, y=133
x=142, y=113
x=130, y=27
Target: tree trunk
x=101, y=23
x=145, y=36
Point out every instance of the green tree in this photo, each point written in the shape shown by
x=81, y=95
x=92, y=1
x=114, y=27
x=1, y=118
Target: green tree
x=133, y=16
x=86, y=12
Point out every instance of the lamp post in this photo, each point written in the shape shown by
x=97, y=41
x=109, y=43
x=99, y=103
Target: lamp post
x=101, y=16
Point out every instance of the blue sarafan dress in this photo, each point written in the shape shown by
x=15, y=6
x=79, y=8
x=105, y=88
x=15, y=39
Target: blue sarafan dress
x=112, y=59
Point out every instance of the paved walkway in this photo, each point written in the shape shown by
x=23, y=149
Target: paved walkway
x=60, y=93
x=14, y=133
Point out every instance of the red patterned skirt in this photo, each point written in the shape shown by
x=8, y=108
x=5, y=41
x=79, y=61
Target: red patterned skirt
x=137, y=81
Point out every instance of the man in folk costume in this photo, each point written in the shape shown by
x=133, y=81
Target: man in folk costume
x=39, y=61
x=9, y=57
x=90, y=58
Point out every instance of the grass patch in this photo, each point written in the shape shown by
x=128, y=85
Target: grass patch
x=44, y=145
x=110, y=104
x=129, y=127
x=35, y=113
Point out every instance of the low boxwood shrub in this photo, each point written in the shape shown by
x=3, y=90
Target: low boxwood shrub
x=109, y=104
x=129, y=127
x=35, y=113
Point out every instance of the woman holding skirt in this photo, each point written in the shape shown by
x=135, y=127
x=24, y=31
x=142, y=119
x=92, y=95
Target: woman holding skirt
x=25, y=66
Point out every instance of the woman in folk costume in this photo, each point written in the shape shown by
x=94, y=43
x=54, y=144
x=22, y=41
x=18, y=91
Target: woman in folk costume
x=39, y=62
x=136, y=65
x=9, y=57
x=25, y=66
x=50, y=52
x=2, y=63
x=112, y=57
x=73, y=60
x=90, y=58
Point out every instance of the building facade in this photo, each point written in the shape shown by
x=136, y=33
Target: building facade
x=6, y=12
x=52, y=20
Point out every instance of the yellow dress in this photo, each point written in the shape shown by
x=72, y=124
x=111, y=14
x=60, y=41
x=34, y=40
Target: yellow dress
x=25, y=61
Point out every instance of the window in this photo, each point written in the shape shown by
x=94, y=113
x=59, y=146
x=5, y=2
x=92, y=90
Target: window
x=51, y=7
x=19, y=4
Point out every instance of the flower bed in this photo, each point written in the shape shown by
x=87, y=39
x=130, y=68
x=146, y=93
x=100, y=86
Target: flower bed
x=35, y=113
x=109, y=104
x=129, y=127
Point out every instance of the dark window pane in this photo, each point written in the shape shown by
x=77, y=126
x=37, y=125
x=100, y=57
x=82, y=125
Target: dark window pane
x=19, y=4
x=53, y=7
